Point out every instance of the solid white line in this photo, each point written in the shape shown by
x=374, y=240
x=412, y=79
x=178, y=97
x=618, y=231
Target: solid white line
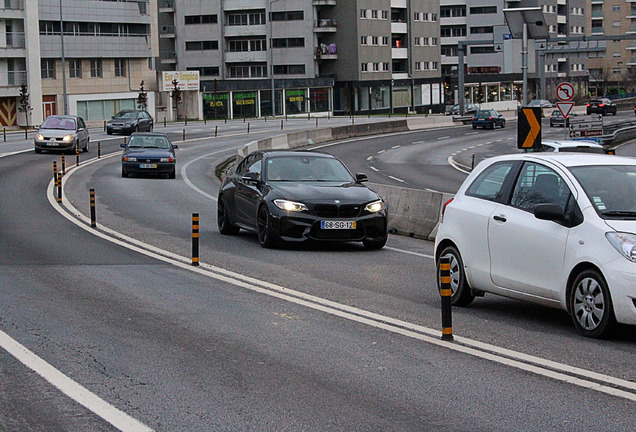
x=70, y=388
x=186, y=179
x=381, y=151
x=15, y=153
x=409, y=252
x=457, y=166
x=374, y=168
x=370, y=158
x=443, y=137
x=478, y=349
x=397, y=179
x=396, y=146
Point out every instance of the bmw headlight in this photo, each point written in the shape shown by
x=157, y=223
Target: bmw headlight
x=68, y=138
x=290, y=205
x=625, y=243
x=375, y=206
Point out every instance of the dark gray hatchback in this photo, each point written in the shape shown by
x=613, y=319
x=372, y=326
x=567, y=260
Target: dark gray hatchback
x=149, y=153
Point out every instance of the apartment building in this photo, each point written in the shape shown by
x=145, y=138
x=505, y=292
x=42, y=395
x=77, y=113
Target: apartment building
x=81, y=57
x=615, y=72
x=318, y=57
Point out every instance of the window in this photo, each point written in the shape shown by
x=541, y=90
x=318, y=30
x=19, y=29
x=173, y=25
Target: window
x=418, y=66
x=385, y=67
x=288, y=43
x=376, y=67
x=201, y=19
x=374, y=40
x=364, y=67
x=49, y=28
x=538, y=184
x=363, y=14
x=206, y=70
x=453, y=31
x=483, y=10
x=120, y=67
x=363, y=40
x=385, y=40
x=202, y=45
x=96, y=68
x=48, y=68
x=481, y=30
x=385, y=15
x=288, y=16
x=482, y=50
x=434, y=65
x=489, y=184
x=374, y=14
x=433, y=41
x=243, y=19
x=75, y=68
x=289, y=69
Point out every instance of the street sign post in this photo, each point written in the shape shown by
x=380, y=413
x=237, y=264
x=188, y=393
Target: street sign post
x=586, y=128
x=565, y=92
x=529, y=128
x=565, y=108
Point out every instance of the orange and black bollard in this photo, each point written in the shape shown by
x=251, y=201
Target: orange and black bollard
x=99, y=150
x=77, y=155
x=216, y=131
x=55, y=173
x=195, y=239
x=184, y=135
x=93, y=218
x=63, y=165
x=58, y=183
x=446, y=292
x=281, y=125
x=248, y=127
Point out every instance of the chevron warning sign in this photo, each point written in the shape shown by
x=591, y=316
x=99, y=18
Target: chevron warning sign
x=529, y=128
x=8, y=112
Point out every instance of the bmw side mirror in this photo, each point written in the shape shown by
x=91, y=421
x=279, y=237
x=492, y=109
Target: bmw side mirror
x=361, y=177
x=551, y=212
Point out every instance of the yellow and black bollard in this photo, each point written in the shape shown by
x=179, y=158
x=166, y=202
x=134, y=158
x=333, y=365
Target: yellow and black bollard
x=195, y=239
x=77, y=155
x=446, y=293
x=93, y=217
x=216, y=131
x=59, y=187
x=55, y=173
x=99, y=150
x=63, y=165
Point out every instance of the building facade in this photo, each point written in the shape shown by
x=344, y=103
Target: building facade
x=80, y=57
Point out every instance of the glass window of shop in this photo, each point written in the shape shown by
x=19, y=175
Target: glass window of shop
x=505, y=91
x=319, y=98
x=493, y=93
x=97, y=110
x=295, y=101
x=380, y=97
x=244, y=104
x=215, y=105
x=266, y=102
x=401, y=96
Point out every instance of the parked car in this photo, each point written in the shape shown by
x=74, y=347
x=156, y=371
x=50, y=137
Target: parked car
x=581, y=146
x=149, y=153
x=62, y=132
x=540, y=103
x=127, y=122
x=556, y=118
x=488, y=119
x=287, y=196
x=468, y=109
x=552, y=228
x=602, y=106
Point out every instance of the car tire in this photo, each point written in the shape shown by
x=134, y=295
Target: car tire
x=85, y=149
x=375, y=244
x=109, y=132
x=173, y=174
x=266, y=235
x=503, y=124
x=37, y=150
x=223, y=218
x=461, y=292
x=590, y=305
x=474, y=127
x=152, y=126
x=124, y=174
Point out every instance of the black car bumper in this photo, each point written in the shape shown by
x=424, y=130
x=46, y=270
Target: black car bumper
x=126, y=130
x=54, y=144
x=300, y=227
x=148, y=167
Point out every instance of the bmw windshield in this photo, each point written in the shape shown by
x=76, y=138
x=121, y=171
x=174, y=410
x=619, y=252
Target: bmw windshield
x=307, y=169
x=610, y=188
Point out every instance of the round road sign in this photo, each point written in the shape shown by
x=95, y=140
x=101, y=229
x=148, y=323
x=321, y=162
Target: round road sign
x=565, y=92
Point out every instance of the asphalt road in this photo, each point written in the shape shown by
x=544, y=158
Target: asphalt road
x=312, y=337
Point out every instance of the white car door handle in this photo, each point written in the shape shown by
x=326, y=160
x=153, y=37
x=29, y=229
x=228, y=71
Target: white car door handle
x=500, y=218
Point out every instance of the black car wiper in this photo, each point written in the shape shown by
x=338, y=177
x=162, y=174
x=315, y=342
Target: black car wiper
x=619, y=213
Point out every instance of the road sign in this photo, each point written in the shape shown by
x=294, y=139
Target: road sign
x=565, y=108
x=565, y=92
x=529, y=128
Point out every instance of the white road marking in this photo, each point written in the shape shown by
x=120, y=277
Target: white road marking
x=443, y=137
x=381, y=151
x=374, y=168
x=70, y=388
x=370, y=158
x=396, y=146
x=558, y=371
x=471, y=133
x=397, y=179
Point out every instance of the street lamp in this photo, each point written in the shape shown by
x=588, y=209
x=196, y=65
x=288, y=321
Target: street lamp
x=271, y=57
x=63, y=62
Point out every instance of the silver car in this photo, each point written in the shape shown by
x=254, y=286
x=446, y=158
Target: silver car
x=62, y=133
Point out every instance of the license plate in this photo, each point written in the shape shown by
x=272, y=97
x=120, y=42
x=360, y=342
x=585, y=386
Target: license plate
x=147, y=165
x=338, y=224
x=52, y=144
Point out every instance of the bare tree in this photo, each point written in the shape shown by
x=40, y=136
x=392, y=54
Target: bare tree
x=142, y=98
x=24, y=105
x=176, y=95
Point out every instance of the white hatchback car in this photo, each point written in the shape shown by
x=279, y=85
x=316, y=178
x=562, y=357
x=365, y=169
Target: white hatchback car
x=553, y=228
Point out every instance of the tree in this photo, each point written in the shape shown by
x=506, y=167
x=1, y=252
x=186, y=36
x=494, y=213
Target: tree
x=176, y=95
x=23, y=103
x=142, y=99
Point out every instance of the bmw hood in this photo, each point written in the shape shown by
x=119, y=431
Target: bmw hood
x=311, y=192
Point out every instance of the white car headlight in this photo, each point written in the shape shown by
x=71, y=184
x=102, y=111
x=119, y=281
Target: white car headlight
x=375, y=206
x=625, y=243
x=68, y=138
x=290, y=205
x=39, y=137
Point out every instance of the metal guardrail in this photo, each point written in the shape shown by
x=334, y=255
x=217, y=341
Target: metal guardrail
x=617, y=133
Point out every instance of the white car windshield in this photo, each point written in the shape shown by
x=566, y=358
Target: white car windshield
x=307, y=169
x=610, y=188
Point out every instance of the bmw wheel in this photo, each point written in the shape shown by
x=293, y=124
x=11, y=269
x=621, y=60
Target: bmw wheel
x=223, y=218
x=461, y=293
x=591, y=305
x=266, y=235
x=375, y=244
x=85, y=149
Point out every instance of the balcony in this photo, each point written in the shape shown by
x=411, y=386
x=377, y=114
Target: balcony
x=244, y=30
x=326, y=52
x=167, y=32
x=169, y=57
x=166, y=6
x=399, y=27
x=13, y=40
x=12, y=5
x=246, y=56
x=12, y=79
x=399, y=53
x=325, y=26
x=324, y=2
